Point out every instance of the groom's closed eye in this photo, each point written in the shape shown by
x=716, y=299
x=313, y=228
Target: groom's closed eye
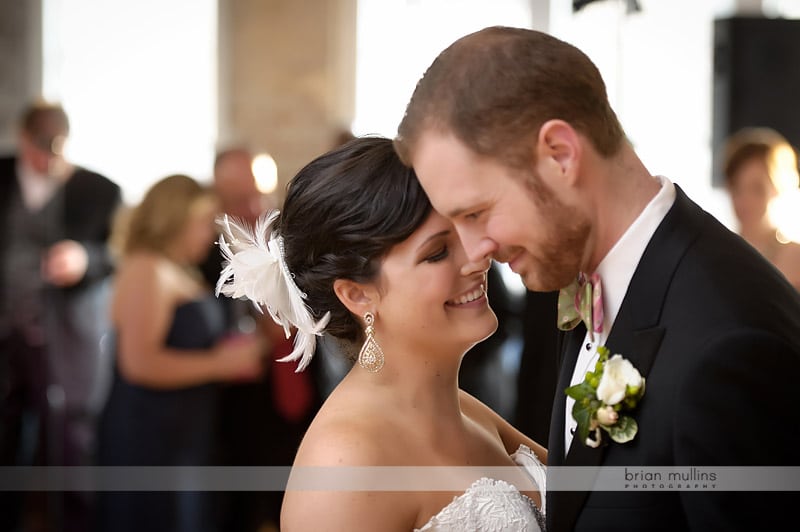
x=474, y=215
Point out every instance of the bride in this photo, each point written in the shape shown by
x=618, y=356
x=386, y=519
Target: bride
x=359, y=253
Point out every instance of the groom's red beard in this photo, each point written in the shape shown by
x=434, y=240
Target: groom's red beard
x=556, y=260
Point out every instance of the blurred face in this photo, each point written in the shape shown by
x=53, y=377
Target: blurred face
x=200, y=231
x=236, y=188
x=429, y=292
x=40, y=159
x=502, y=214
x=751, y=191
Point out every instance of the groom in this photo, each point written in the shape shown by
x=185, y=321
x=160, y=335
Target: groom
x=512, y=137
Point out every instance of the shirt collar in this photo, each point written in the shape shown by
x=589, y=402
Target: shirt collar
x=618, y=266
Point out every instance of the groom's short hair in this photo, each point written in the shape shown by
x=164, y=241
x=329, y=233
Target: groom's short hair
x=493, y=89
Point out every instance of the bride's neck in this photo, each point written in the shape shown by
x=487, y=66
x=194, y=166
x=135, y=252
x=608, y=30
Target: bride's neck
x=423, y=388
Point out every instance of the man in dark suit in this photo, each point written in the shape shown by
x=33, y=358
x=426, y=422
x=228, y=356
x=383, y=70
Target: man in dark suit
x=512, y=137
x=55, y=219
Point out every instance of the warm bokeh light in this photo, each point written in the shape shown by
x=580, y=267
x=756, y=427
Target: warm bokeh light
x=266, y=172
x=784, y=210
x=784, y=214
x=783, y=168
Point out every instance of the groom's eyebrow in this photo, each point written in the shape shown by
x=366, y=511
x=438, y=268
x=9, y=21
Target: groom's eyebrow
x=455, y=213
x=473, y=204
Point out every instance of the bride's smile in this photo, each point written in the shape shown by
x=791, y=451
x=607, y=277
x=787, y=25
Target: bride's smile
x=475, y=295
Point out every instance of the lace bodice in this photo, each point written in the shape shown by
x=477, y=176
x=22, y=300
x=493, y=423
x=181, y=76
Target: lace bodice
x=495, y=505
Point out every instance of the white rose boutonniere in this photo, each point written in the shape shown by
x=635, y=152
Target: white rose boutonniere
x=615, y=386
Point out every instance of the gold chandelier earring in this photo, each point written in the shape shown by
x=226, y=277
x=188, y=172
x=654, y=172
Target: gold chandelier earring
x=371, y=355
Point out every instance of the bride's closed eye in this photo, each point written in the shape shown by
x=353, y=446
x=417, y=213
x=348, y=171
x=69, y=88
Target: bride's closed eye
x=438, y=255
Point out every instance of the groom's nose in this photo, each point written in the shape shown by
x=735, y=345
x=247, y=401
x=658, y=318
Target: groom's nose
x=478, y=247
x=472, y=267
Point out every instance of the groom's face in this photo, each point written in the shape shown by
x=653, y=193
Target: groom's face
x=508, y=215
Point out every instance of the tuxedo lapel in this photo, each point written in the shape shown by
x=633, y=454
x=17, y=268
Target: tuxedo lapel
x=569, y=356
x=636, y=334
x=640, y=347
x=561, y=504
x=563, y=507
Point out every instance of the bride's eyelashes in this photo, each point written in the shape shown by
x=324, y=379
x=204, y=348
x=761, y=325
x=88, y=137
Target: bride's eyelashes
x=438, y=255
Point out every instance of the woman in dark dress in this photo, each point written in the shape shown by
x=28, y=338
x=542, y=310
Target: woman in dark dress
x=171, y=351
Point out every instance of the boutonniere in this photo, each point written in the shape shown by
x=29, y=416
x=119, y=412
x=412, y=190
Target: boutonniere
x=614, y=387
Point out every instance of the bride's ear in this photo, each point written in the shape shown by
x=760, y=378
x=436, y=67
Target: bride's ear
x=358, y=298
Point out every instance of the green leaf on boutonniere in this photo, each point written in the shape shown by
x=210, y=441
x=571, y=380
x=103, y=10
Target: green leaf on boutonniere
x=580, y=390
x=583, y=416
x=623, y=430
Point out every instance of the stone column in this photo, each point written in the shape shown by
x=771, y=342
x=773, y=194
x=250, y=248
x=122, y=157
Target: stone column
x=287, y=76
x=20, y=64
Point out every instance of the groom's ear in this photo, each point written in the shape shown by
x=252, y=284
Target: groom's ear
x=358, y=298
x=558, y=153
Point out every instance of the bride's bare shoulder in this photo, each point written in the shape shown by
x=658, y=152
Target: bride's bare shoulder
x=345, y=433
x=339, y=440
x=342, y=444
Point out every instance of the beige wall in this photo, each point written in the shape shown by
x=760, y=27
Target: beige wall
x=20, y=65
x=287, y=76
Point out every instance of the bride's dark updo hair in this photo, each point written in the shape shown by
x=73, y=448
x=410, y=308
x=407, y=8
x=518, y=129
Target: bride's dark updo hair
x=342, y=214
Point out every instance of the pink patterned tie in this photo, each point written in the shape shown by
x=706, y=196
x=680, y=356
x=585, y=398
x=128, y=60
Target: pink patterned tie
x=582, y=301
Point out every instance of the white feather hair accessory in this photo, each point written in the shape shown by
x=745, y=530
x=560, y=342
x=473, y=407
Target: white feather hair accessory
x=255, y=268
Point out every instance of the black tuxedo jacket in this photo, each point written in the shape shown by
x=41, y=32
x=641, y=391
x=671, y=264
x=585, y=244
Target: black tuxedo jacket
x=75, y=316
x=715, y=329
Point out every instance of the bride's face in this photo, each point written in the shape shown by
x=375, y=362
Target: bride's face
x=432, y=297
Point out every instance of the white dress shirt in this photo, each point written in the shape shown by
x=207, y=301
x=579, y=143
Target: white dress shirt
x=616, y=270
x=36, y=188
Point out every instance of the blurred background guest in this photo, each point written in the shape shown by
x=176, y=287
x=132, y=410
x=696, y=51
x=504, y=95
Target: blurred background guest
x=538, y=368
x=55, y=218
x=172, y=350
x=261, y=422
x=760, y=165
x=236, y=189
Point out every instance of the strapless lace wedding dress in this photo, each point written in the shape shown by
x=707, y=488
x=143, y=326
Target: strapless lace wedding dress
x=495, y=505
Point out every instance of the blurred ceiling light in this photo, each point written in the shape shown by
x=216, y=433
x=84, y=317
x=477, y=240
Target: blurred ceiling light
x=266, y=173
